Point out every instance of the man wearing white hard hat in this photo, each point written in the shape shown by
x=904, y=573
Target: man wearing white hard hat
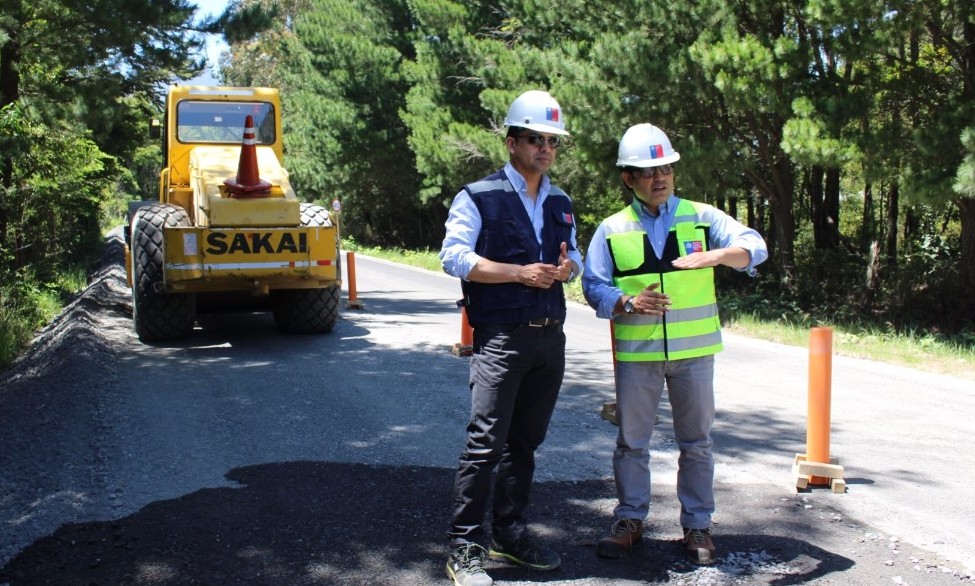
x=650, y=268
x=511, y=240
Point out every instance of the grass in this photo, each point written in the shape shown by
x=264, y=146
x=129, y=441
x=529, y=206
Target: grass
x=912, y=350
x=26, y=305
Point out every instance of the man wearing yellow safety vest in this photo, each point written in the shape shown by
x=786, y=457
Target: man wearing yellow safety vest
x=650, y=268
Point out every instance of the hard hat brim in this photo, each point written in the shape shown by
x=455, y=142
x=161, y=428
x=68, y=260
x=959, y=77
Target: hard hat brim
x=539, y=128
x=649, y=162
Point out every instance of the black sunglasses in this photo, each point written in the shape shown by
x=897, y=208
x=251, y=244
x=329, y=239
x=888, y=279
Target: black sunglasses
x=651, y=172
x=538, y=140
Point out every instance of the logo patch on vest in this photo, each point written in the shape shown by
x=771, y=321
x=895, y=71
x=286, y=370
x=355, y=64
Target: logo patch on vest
x=692, y=246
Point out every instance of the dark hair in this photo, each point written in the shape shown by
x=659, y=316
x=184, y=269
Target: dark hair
x=514, y=131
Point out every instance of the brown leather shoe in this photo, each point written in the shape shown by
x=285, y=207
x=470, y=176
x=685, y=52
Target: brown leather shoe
x=622, y=537
x=698, y=546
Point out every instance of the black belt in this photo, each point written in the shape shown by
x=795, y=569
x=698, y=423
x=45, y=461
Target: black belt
x=543, y=322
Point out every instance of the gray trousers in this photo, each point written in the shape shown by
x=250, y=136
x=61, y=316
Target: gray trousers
x=690, y=388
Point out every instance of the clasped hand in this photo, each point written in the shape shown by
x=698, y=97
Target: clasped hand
x=650, y=301
x=544, y=275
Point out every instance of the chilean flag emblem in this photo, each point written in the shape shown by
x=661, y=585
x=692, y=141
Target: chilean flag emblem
x=552, y=114
x=567, y=217
x=656, y=151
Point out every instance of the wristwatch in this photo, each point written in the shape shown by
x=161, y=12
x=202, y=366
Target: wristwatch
x=628, y=305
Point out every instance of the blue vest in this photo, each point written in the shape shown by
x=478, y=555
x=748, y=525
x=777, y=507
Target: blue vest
x=507, y=236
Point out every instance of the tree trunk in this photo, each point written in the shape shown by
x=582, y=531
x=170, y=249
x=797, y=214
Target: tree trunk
x=867, y=228
x=966, y=211
x=780, y=200
x=824, y=198
x=10, y=59
x=9, y=93
x=814, y=187
x=831, y=207
x=890, y=228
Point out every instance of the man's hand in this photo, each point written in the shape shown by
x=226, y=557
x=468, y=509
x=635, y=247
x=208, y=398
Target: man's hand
x=538, y=275
x=565, y=265
x=733, y=256
x=650, y=301
x=698, y=260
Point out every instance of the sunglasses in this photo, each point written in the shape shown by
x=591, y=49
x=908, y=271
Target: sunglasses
x=651, y=172
x=538, y=140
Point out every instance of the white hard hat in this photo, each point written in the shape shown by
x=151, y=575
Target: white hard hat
x=536, y=110
x=645, y=145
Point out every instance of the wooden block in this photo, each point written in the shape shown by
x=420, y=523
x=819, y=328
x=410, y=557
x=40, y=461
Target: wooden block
x=803, y=458
x=462, y=349
x=802, y=481
x=817, y=469
x=806, y=472
x=609, y=413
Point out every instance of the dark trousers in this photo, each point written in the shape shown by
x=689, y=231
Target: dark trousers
x=516, y=373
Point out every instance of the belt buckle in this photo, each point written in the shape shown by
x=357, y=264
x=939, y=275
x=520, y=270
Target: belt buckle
x=538, y=323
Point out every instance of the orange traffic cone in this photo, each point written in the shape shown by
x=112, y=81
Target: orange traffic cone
x=248, y=182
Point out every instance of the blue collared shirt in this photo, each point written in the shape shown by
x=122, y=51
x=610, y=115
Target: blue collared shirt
x=464, y=225
x=597, y=278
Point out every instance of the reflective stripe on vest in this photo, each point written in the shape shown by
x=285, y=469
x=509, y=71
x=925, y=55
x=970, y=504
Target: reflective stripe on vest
x=691, y=328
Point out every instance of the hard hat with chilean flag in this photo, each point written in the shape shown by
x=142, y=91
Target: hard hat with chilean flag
x=536, y=110
x=645, y=145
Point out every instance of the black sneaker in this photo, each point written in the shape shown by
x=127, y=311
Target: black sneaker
x=698, y=546
x=465, y=566
x=525, y=552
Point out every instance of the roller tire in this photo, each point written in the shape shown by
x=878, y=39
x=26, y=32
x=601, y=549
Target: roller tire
x=158, y=316
x=308, y=311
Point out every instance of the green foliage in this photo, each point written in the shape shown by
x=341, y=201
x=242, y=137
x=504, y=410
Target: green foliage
x=77, y=82
x=344, y=137
x=59, y=179
x=964, y=184
x=800, y=108
x=25, y=305
x=99, y=50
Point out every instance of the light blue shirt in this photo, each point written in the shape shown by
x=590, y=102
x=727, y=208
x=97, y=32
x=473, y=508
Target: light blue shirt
x=597, y=278
x=464, y=225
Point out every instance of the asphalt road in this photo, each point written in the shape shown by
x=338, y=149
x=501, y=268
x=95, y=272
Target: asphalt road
x=246, y=456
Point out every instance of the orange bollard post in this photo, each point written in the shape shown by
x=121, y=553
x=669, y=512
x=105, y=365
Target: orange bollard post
x=816, y=466
x=353, y=302
x=466, y=345
x=820, y=382
x=608, y=411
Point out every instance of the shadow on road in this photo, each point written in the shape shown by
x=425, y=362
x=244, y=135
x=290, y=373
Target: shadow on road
x=329, y=523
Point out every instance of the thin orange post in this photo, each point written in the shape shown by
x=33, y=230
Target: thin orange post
x=466, y=345
x=612, y=343
x=353, y=301
x=609, y=409
x=820, y=382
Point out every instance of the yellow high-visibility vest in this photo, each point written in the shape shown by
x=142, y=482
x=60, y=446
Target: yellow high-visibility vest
x=691, y=328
